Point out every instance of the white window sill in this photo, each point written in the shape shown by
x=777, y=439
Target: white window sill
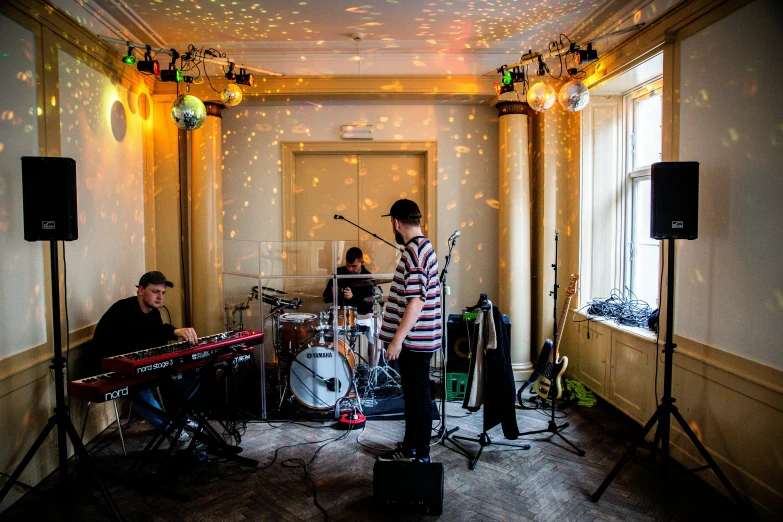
x=642, y=333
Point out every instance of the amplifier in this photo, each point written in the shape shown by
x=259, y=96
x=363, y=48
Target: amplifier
x=460, y=338
x=410, y=486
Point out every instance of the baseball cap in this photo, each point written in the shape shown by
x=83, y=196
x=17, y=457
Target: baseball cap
x=155, y=278
x=404, y=209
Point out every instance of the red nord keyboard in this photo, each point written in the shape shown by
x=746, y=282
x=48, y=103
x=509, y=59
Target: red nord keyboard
x=174, y=356
x=108, y=386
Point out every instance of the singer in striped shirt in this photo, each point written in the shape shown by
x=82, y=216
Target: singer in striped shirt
x=412, y=328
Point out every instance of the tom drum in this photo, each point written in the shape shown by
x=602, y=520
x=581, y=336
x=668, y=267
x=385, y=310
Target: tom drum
x=296, y=329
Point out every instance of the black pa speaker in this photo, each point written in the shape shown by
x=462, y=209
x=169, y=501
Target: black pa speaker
x=49, y=198
x=408, y=486
x=674, y=200
x=461, y=336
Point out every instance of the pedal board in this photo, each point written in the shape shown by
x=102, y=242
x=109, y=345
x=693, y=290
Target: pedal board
x=408, y=486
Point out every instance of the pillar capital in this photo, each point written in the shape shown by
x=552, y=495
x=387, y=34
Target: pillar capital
x=214, y=108
x=512, y=107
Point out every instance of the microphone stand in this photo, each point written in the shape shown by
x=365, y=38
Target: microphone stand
x=338, y=216
x=444, y=434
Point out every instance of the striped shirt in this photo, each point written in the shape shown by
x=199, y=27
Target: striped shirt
x=416, y=277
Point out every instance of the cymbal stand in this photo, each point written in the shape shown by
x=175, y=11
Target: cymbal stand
x=379, y=364
x=277, y=306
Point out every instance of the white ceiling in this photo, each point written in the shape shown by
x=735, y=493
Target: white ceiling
x=312, y=37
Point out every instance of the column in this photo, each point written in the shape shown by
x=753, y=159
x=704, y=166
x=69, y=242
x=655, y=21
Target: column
x=514, y=243
x=207, y=217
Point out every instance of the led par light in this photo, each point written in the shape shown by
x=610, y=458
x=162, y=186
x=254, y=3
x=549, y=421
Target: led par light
x=244, y=78
x=129, y=59
x=148, y=66
x=586, y=55
x=171, y=75
x=502, y=87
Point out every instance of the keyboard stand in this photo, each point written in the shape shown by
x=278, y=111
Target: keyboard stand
x=204, y=434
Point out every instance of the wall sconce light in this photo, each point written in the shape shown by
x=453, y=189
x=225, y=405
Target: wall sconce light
x=356, y=132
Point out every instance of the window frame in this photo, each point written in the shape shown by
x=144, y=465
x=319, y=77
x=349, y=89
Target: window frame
x=633, y=174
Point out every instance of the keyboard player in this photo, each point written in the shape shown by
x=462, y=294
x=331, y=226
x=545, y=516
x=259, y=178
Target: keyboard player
x=135, y=323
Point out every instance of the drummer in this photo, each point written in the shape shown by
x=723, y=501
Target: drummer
x=356, y=292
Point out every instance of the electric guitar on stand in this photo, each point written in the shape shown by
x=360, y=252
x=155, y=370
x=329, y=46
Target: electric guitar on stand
x=550, y=384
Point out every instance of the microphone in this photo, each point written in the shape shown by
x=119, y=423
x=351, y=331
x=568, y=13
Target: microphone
x=338, y=216
x=455, y=235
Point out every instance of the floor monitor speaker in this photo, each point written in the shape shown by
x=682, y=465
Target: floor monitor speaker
x=675, y=200
x=49, y=198
x=408, y=486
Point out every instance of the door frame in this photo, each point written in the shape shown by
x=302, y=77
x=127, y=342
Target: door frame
x=427, y=149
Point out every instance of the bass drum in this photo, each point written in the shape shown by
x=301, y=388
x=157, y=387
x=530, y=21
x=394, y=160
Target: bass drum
x=313, y=380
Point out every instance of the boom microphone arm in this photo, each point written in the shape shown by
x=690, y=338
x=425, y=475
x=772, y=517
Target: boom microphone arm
x=338, y=216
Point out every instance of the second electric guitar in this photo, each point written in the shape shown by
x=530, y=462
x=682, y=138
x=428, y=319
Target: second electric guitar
x=550, y=384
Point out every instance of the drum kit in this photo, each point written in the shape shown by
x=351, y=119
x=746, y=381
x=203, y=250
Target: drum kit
x=317, y=374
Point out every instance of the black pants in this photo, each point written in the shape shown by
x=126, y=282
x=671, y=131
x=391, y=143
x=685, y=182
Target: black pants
x=415, y=377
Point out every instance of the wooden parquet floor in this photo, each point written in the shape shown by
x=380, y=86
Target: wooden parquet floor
x=549, y=482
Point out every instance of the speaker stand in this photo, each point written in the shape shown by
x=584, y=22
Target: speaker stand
x=667, y=409
x=61, y=418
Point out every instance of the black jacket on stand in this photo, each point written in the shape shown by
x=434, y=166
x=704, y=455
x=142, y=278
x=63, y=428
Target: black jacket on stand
x=499, y=397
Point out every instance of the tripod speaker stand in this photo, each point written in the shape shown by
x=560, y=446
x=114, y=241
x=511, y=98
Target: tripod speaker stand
x=667, y=409
x=61, y=419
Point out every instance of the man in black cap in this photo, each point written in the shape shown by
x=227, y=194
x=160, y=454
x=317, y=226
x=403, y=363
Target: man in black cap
x=134, y=324
x=412, y=328
x=356, y=293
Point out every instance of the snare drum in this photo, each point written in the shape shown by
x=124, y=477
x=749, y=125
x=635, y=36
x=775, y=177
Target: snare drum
x=346, y=316
x=296, y=329
x=314, y=381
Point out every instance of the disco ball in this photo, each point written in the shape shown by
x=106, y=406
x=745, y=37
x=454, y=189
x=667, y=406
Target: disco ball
x=231, y=95
x=573, y=96
x=188, y=112
x=541, y=96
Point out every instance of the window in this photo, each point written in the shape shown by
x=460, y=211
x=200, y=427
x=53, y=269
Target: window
x=621, y=139
x=643, y=112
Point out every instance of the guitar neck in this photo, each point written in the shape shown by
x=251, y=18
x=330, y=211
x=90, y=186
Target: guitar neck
x=561, y=323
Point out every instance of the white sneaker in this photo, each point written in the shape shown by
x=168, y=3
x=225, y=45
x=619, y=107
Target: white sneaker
x=182, y=441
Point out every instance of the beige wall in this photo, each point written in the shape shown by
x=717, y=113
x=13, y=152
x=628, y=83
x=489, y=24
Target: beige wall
x=466, y=177
x=733, y=403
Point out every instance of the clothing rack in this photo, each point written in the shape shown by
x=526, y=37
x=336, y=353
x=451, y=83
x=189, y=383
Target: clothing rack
x=483, y=439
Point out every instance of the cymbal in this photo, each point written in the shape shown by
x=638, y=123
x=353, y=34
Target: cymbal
x=302, y=294
x=368, y=282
